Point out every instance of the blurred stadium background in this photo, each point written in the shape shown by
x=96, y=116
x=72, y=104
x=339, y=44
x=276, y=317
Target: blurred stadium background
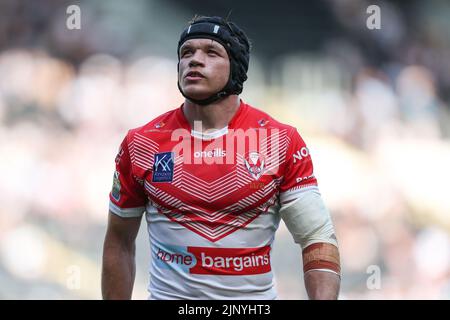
x=373, y=106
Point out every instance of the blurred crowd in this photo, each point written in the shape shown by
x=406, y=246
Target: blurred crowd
x=373, y=107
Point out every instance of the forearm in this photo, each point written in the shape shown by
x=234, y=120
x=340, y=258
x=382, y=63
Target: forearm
x=321, y=267
x=118, y=272
x=310, y=224
x=322, y=285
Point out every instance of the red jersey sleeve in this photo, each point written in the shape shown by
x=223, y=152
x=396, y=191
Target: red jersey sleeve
x=127, y=197
x=299, y=171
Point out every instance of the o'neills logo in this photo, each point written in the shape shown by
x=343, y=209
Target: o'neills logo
x=214, y=261
x=217, y=152
x=230, y=261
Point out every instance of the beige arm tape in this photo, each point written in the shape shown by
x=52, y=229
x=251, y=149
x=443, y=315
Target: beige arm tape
x=310, y=224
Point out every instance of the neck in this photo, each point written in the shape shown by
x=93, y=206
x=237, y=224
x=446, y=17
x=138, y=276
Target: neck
x=216, y=115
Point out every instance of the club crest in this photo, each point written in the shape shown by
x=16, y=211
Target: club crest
x=254, y=163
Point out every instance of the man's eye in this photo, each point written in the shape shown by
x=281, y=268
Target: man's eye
x=186, y=52
x=212, y=52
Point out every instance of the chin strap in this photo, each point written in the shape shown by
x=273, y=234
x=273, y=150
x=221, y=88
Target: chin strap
x=211, y=99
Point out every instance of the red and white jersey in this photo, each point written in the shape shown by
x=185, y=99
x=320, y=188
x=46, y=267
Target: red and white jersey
x=211, y=200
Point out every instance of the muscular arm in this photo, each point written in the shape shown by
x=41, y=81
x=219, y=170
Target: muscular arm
x=321, y=285
x=310, y=223
x=119, y=268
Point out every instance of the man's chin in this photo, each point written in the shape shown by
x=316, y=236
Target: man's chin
x=197, y=95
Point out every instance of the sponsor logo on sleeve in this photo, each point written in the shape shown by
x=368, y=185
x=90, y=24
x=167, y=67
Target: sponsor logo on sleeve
x=115, y=192
x=301, y=154
x=302, y=179
x=119, y=155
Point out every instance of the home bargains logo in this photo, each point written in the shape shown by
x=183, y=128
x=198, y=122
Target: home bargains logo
x=214, y=261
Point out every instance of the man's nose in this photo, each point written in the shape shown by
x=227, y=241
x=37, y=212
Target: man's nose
x=197, y=59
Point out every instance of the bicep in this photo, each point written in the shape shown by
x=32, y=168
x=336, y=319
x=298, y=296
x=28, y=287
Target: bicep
x=123, y=230
x=308, y=219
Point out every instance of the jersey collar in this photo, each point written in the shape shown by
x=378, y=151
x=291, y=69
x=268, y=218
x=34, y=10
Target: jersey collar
x=212, y=133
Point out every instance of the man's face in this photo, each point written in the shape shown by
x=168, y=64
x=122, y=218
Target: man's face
x=204, y=68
